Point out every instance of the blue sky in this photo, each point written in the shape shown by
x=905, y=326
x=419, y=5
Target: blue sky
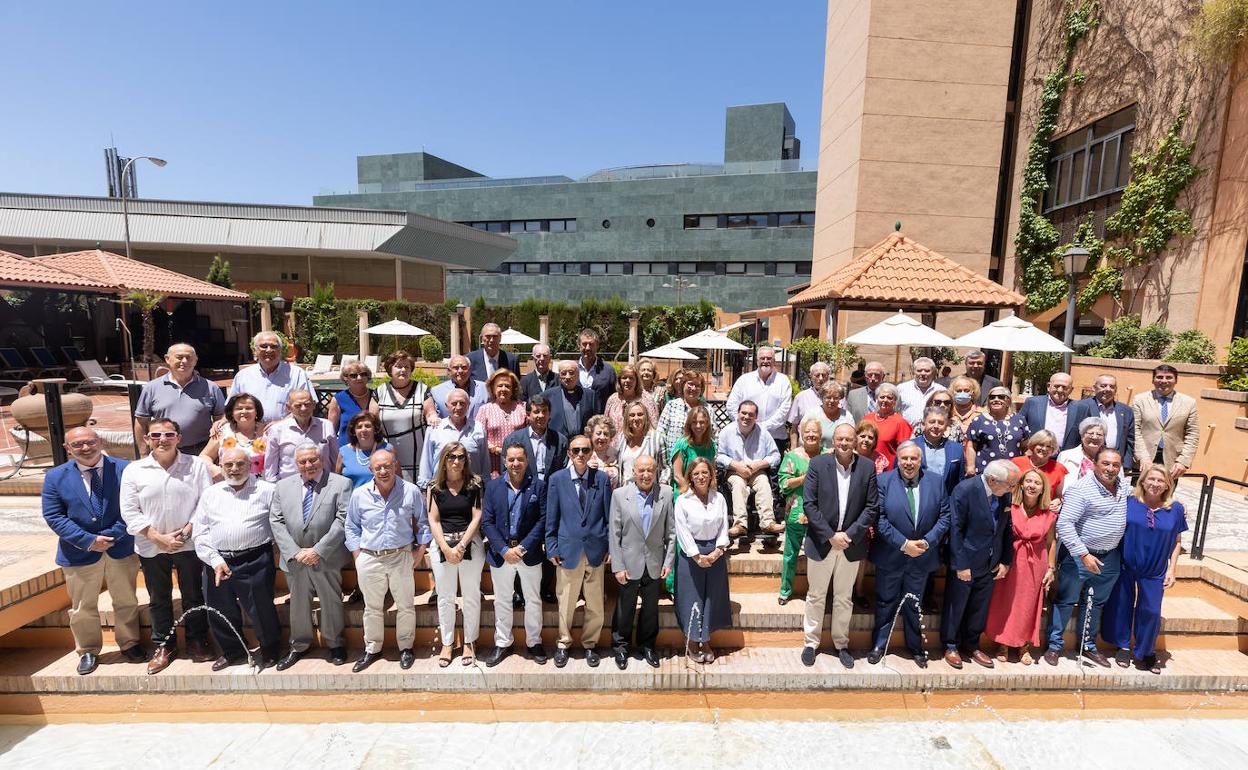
x=272, y=101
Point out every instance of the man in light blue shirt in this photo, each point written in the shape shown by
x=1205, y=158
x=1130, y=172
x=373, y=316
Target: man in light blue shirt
x=748, y=454
x=386, y=522
x=459, y=373
x=458, y=427
x=271, y=380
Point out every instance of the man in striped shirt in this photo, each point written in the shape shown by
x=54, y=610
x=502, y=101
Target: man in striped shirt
x=233, y=538
x=1090, y=528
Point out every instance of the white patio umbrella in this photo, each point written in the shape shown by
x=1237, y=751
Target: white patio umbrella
x=897, y=331
x=669, y=352
x=516, y=337
x=1013, y=334
x=709, y=339
x=397, y=328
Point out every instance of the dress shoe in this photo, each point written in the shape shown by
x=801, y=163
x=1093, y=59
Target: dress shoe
x=200, y=650
x=161, y=659
x=517, y=599
x=847, y=660
x=497, y=656
x=782, y=600
x=1051, y=657
x=920, y=659
x=953, y=659
x=265, y=661
x=355, y=597
x=291, y=659
x=1097, y=657
x=981, y=657
x=135, y=654
x=538, y=653
x=433, y=596
x=366, y=660
x=337, y=655
x=87, y=663
x=406, y=658
x=591, y=657
x=875, y=656
x=549, y=597
x=650, y=656
x=226, y=662
x=621, y=659
x=561, y=657
x=808, y=656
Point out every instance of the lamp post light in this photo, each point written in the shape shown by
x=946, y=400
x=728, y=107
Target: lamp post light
x=1075, y=261
x=125, y=206
x=680, y=284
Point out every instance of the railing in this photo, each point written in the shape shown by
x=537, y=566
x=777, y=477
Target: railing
x=1204, y=510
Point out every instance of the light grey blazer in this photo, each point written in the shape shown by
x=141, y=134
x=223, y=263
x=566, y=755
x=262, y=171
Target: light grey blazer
x=856, y=403
x=633, y=548
x=324, y=531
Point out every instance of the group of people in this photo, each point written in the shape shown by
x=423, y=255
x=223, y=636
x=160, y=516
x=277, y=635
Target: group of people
x=575, y=474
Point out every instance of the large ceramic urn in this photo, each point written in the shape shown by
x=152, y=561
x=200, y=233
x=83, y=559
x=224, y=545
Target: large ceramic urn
x=31, y=411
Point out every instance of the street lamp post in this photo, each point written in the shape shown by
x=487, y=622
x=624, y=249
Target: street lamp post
x=125, y=206
x=1075, y=261
x=680, y=284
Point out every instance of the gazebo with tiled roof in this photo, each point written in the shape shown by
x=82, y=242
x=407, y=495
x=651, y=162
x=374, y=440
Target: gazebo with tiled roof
x=899, y=273
x=132, y=275
x=18, y=272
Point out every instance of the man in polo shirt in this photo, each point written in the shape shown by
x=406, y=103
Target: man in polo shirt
x=182, y=396
x=271, y=380
x=1090, y=528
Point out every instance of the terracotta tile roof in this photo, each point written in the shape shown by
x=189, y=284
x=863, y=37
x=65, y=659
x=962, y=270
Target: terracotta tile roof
x=19, y=271
x=131, y=274
x=898, y=272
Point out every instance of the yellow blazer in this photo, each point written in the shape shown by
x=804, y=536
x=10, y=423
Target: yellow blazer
x=1181, y=430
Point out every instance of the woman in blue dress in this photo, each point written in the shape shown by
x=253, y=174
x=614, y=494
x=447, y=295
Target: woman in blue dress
x=358, y=397
x=1150, y=551
x=364, y=438
x=998, y=433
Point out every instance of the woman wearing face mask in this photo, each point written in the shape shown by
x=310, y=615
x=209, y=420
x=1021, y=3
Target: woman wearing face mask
x=965, y=392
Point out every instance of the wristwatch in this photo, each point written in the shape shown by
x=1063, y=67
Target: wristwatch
x=522, y=550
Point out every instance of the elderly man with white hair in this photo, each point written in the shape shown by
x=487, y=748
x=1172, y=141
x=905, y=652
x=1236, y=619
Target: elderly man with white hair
x=271, y=380
x=809, y=400
x=490, y=357
x=456, y=428
x=913, y=393
x=459, y=376
x=771, y=392
x=862, y=401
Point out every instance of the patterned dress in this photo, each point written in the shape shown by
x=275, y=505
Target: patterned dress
x=499, y=424
x=997, y=439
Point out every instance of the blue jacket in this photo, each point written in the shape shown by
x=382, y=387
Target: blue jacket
x=556, y=449
x=496, y=519
x=823, y=509
x=976, y=541
x=1034, y=409
x=585, y=409
x=476, y=359
x=68, y=511
x=571, y=531
x=1126, y=428
x=955, y=461
x=895, y=525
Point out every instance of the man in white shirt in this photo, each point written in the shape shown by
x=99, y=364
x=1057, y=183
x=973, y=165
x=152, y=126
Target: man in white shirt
x=297, y=428
x=158, y=498
x=234, y=539
x=809, y=400
x=771, y=391
x=748, y=454
x=913, y=394
x=271, y=380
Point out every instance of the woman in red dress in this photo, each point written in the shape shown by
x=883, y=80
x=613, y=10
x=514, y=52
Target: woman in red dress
x=1014, y=614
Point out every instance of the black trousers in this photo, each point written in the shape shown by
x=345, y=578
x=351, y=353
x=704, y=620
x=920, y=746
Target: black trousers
x=966, y=610
x=891, y=585
x=648, y=589
x=250, y=586
x=158, y=576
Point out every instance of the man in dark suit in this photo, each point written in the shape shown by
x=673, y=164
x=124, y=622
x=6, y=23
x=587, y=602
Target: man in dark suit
x=541, y=377
x=643, y=550
x=1119, y=417
x=976, y=363
x=546, y=451
x=513, y=518
x=307, y=515
x=914, y=518
x=1055, y=412
x=571, y=404
x=981, y=550
x=944, y=458
x=490, y=357
x=841, y=506
x=594, y=373
x=577, y=511
x=81, y=503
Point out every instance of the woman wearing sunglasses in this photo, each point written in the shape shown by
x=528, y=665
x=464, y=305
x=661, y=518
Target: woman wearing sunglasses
x=455, y=522
x=358, y=397
x=997, y=434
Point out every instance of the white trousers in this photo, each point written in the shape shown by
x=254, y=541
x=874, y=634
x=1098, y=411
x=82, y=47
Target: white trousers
x=463, y=577
x=504, y=614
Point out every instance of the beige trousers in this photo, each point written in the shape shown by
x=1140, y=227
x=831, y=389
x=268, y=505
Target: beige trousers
x=569, y=583
x=840, y=573
x=739, y=489
x=376, y=575
x=84, y=585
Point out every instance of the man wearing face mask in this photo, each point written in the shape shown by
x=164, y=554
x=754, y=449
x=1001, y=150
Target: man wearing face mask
x=771, y=392
x=234, y=539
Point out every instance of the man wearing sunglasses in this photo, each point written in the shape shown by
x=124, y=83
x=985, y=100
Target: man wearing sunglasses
x=183, y=396
x=158, y=498
x=271, y=380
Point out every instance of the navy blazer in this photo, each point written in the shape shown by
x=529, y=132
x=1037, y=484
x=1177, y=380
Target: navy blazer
x=823, y=511
x=976, y=541
x=955, y=461
x=556, y=449
x=1034, y=409
x=476, y=358
x=571, y=531
x=584, y=410
x=603, y=382
x=68, y=511
x=1126, y=428
x=532, y=383
x=496, y=519
x=896, y=526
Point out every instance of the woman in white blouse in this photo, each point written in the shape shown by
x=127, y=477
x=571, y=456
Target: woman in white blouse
x=637, y=439
x=702, y=601
x=1080, y=460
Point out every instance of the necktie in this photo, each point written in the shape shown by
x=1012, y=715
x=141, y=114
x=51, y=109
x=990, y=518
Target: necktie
x=97, y=492
x=1165, y=415
x=914, y=511
x=307, y=501
x=580, y=492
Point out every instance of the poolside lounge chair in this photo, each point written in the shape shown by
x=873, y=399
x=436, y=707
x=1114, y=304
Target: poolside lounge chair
x=94, y=374
x=323, y=365
x=372, y=362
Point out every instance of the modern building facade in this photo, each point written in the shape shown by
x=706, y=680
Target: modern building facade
x=738, y=234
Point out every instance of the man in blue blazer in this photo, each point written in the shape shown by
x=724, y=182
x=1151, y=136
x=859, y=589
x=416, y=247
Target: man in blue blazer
x=578, y=500
x=537, y=438
x=914, y=518
x=836, y=538
x=490, y=357
x=1119, y=417
x=571, y=404
x=82, y=505
x=944, y=458
x=513, y=518
x=981, y=550
x=593, y=372
x=1065, y=412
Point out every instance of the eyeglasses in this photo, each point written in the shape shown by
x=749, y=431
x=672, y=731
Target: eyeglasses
x=164, y=434
x=579, y=450
x=998, y=397
x=85, y=443
x=236, y=464
x=356, y=375
x=267, y=346
x=941, y=402
x=456, y=458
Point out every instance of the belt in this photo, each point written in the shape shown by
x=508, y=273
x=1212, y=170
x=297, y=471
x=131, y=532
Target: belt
x=384, y=551
x=246, y=552
x=1099, y=554
x=512, y=543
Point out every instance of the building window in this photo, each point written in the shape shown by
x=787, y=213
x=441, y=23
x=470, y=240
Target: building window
x=706, y=268
x=786, y=268
x=686, y=268
x=755, y=268
x=735, y=268
x=1092, y=162
x=563, y=268
x=562, y=225
x=597, y=268
x=701, y=221
x=796, y=219
x=747, y=220
x=649, y=268
x=495, y=227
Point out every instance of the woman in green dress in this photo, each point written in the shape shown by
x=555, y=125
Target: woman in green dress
x=698, y=441
x=792, y=479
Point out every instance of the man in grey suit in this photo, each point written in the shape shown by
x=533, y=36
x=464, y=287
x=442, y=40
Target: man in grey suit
x=642, y=544
x=307, y=516
x=861, y=401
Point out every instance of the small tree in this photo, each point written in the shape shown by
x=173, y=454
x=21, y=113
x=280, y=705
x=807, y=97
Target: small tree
x=431, y=348
x=146, y=303
x=219, y=273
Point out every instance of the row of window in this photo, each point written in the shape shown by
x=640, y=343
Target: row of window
x=657, y=268
x=1091, y=162
x=514, y=226
x=721, y=221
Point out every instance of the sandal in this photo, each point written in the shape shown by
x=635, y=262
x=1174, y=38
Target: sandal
x=444, y=657
x=1122, y=657
x=470, y=656
x=1025, y=658
x=1003, y=654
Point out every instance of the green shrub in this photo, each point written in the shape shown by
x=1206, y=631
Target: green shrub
x=1036, y=368
x=1154, y=339
x=812, y=349
x=1236, y=377
x=1193, y=347
x=1122, y=339
x=431, y=348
